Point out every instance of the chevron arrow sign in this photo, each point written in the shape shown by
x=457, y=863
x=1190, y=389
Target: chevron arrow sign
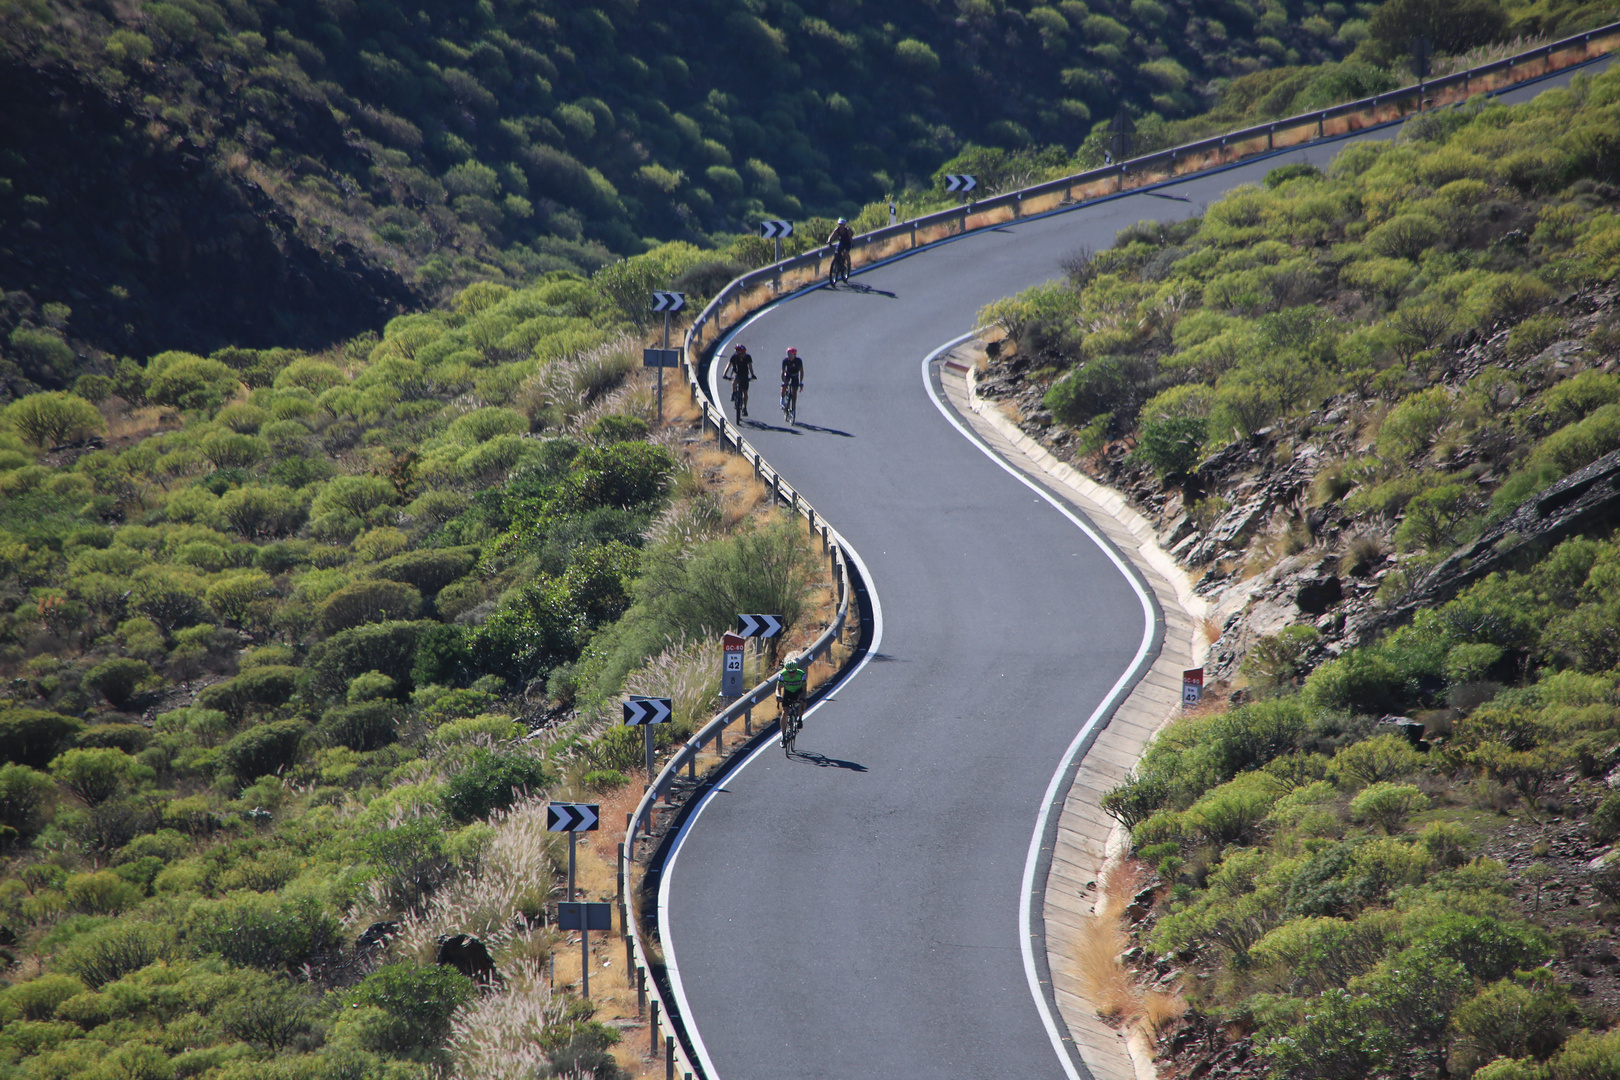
x=963, y=184
x=775, y=230
x=668, y=301
x=572, y=817
x=647, y=710
x=766, y=626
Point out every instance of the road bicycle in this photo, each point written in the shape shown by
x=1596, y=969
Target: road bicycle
x=739, y=396
x=790, y=402
x=839, y=270
x=792, y=722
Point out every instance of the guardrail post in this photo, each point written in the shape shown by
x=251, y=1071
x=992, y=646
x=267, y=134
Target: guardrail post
x=1319, y=118
x=641, y=992
x=652, y=1024
x=1271, y=137
x=691, y=766
x=913, y=236
x=748, y=721
x=669, y=1057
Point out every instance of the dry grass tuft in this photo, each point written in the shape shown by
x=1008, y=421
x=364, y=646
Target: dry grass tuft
x=515, y=875
x=497, y=1036
x=1112, y=988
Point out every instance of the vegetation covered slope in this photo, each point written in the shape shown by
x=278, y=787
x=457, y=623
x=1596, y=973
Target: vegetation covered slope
x=164, y=159
x=293, y=656
x=1426, y=335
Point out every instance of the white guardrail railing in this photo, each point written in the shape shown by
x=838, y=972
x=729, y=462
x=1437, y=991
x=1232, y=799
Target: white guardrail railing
x=757, y=288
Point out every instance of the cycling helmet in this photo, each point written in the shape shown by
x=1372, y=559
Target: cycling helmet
x=739, y=347
x=841, y=221
x=792, y=351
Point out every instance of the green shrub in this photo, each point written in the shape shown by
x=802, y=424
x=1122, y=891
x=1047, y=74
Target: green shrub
x=97, y=775
x=24, y=792
x=1487, y=948
x=108, y=953
x=262, y=931
x=1361, y=681
x=372, y=601
x=122, y=679
x=1172, y=446
x=1533, y=335
x=1387, y=805
x=428, y=570
x=33, y=737
x=366, y=726
x=53, y=418
x=493, y=780
x=1104, y=385
x=189, y=382
x=101, y=893
x=261, y=750
x=1511, y=1019
x=263, y=688
x=1437, y=519
x=1604, y=823
x=38, y=998
x=1412, y=425
x=418, y=1003
x=1377, y=760
x=388, y=647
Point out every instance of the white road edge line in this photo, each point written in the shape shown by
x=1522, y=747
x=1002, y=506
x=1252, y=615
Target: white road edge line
x=1109, y=704
x=670, y=966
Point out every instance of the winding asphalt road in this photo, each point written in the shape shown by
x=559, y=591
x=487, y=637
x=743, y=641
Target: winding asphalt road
x=856, y=911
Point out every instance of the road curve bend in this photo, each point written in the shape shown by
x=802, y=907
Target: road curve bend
x=856, y=911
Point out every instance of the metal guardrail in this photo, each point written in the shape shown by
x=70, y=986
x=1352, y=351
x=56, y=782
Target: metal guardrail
x=676, y=1055
x=1332, y=122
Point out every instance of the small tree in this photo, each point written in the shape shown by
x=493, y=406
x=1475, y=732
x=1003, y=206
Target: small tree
x=96, y=775
x=1387, y=805
x=121, y=680
x=55, y=417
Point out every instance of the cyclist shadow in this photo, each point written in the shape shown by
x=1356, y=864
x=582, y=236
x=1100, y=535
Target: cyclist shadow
x=824, y=430
x=867, y=290
x=760, y=425
x=824, y=762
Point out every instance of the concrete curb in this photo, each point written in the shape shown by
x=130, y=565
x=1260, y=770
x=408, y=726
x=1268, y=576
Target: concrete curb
x=1087, y=840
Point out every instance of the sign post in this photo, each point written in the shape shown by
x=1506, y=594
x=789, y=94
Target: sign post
x=731, y=669
x=584, y=917
x=1192, y=687
x=668, y=303
x=573, y=818
x=645, y=712
x=1421, y=51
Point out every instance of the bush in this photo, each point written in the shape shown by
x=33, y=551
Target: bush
x=1374, y=761
x=189, y=382
x=1511, y=1019
x=23, y=792
x=429, y=570
x=369, y=725
x=1107, y=384
x=1488, y=949
x=373, y=601
x=493, y=780
x=418, y=1002
x=96, y=775
x=121, y=679
x=1172, y=446
x=38, y=998
x=256, y=689
x=262, y=931
x=1604, y=822
x=53, y=418
x=109, y=953
x=261, y=750
x=101, y=893
x=33, y=737
x=387, y=647
x=1387, y=805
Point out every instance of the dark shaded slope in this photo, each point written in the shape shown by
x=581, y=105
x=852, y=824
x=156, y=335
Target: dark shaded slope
x=150, y=244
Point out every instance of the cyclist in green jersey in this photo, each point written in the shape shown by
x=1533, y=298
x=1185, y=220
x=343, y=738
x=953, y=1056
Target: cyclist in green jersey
x=790, y=695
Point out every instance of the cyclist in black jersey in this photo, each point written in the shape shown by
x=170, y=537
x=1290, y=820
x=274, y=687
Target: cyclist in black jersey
x=740, y=370
x=792, y=383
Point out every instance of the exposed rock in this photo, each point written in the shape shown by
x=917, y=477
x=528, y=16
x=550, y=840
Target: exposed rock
x=469, y=956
